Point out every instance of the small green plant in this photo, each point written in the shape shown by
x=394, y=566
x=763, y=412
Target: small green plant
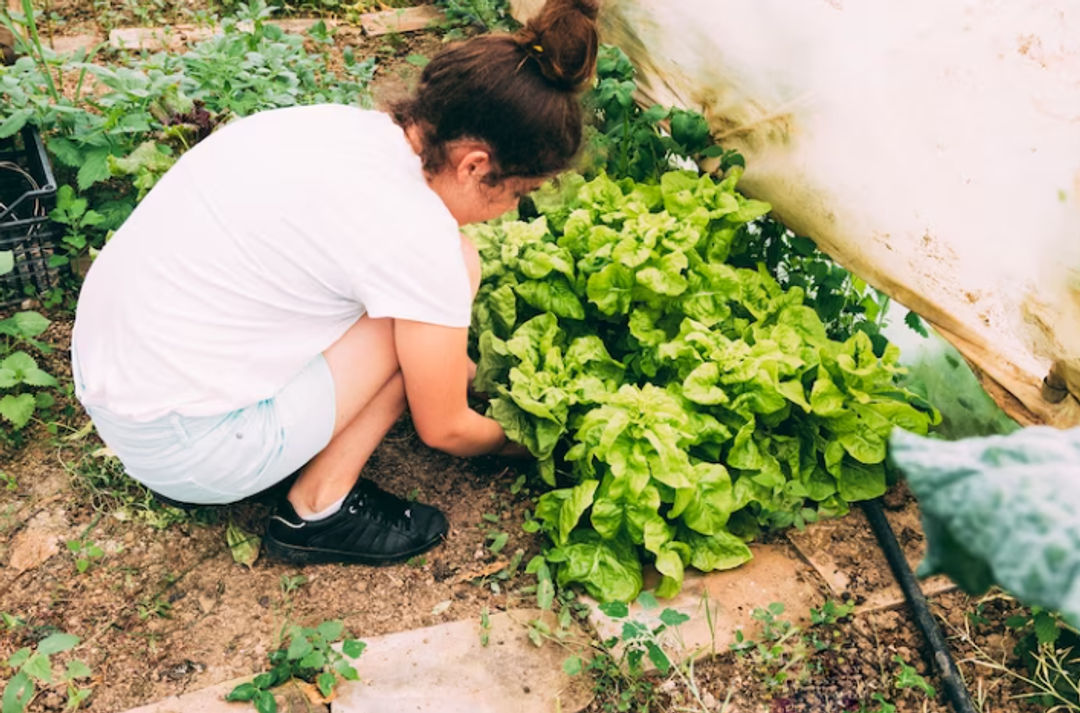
x=477, y=15
x=908, y=677
x=618, y=664
x=485, y=627
x=34, y=668
x=1048, y=649
x=8, y=482
x=99, y=477
x=309, y=657
x=630, y=141
x=86, y=553
x=156, y=606
x=21, y=380
x=292, y=582
x=781, y=653
x=883, y=705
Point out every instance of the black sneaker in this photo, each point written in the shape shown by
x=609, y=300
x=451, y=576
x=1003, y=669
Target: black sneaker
x=372, y=527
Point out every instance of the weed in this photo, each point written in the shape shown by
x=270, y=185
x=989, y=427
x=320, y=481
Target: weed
x=34, y=668
x=785, y=654
x=485, y=627
x=86, y=553
x=908, y=677
x=497, y=542
x=21, y=380
x=1049, y=652
x=157, y=606
x=308, y=657
x=100, y=477
x=883, y=705
x=10, y=621
x=292, y=582
x=617, y=667
x=8, y=482
x=477, y=15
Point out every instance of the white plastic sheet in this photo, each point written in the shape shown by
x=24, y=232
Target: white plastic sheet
x=932, y=148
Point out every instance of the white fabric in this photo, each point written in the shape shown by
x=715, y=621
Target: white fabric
x=254, y=253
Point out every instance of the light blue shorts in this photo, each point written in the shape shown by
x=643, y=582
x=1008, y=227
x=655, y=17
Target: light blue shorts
x=208, y=460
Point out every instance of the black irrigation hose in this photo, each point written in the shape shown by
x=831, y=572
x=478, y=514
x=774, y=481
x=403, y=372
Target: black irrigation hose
x=955, y=689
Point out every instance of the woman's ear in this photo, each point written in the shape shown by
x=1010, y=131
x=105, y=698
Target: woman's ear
x=474, y=164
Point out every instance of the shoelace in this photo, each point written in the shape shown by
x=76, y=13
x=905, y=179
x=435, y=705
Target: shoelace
x=386, y=507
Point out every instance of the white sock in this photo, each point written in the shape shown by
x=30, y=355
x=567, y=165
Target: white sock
x=323, y=514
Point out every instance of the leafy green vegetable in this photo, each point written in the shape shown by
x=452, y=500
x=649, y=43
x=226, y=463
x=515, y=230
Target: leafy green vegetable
x=1001, y=510
x=677, y=404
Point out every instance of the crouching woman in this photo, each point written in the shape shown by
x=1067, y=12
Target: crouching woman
x=299, y=277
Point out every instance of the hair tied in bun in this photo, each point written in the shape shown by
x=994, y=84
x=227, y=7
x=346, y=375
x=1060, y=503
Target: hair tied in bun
x=562, y=41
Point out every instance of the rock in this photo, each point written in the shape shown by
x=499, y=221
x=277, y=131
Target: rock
x=39, y=540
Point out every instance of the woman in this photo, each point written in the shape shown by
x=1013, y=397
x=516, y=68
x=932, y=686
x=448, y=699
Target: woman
x=299, y=277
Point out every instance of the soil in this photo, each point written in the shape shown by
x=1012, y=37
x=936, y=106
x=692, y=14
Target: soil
x=861, y=664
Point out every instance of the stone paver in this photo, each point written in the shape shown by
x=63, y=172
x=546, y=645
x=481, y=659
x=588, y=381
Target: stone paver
x=441, y=668
x=207, y=700
x=720, y=603
x=446, y=669
x=409, y=19
x=829, y=545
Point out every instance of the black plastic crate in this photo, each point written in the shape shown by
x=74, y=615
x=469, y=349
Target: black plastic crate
x=27, y=195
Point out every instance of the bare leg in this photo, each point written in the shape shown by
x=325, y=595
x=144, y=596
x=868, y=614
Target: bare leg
x=369, y=396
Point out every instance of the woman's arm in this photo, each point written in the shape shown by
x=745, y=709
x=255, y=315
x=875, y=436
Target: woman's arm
x=432, y=358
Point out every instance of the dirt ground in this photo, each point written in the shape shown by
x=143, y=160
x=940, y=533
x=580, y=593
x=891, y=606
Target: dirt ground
x=165, y=608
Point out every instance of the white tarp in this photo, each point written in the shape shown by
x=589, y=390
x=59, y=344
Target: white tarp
x=932, y=148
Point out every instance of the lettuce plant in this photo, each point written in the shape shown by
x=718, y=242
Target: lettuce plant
x=677, y=405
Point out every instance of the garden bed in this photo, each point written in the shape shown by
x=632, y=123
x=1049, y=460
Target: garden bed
x=162, y=606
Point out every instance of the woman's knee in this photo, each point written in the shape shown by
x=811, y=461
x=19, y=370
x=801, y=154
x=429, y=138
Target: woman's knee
x=362, y=361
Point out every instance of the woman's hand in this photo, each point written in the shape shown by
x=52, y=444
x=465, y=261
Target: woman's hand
x=513, y=450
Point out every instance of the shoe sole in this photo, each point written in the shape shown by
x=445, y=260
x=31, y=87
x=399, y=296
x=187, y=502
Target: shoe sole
x=298, y=554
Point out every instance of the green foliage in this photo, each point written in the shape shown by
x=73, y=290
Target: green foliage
x=34, y=668
x=478, y=15
x=86, y=552
x=618, y=666
x=23, y=385
x=1001, y=510
x=308, y=656
x=907, y=677
x=677, y=404
x=785, y=654
x=99, y=477
x=1048, y=650
x=111, y=145
x=629, y=141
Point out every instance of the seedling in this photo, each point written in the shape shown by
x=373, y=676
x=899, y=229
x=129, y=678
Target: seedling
x=35, y=668
x=308, y=657
x=908, y=677
x=86, y=553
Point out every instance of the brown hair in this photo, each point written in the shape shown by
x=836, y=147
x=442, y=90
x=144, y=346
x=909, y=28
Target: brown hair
x=516, y=93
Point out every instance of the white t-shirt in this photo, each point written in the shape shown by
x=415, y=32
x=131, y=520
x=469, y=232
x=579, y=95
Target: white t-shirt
x=254, y=253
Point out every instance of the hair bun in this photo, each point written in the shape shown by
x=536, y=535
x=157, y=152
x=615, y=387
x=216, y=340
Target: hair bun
x=562, y=40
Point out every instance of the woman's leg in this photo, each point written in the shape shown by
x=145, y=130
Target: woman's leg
x=369, y=398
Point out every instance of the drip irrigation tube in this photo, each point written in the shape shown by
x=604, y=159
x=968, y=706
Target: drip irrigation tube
x=955, y=690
